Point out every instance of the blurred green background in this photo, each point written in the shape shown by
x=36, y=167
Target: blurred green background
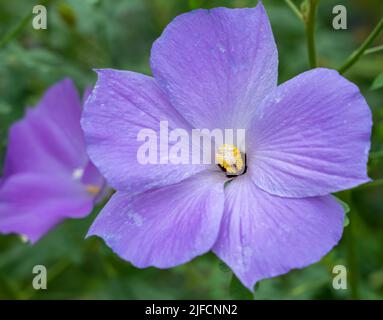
x=88, y=34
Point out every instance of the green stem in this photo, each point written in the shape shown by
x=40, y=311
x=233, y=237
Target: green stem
x=374, y=50
x=310, y=32
x=159, y=16
x=352, y=263
x=16, y=30
x=53, y=272
x=376, y=154
x=295, y=9
x=13, y=33
x=354, y=57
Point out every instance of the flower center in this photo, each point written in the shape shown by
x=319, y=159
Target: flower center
x=230, y=160
x=90, y=188
x=93, y=189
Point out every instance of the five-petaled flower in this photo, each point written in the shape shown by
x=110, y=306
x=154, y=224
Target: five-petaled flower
x=305, y=139
x=47, y=173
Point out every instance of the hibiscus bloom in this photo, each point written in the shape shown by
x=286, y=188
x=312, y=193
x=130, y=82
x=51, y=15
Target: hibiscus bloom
x=47, y=174
x=305, y=139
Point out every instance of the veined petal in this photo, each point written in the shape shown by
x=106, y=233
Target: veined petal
x=31, y=204
x=49, y=138
x=121, y=104
x=310, y=137
x=62, y=105
x=164, y=227
x=263, y=236
x=217, y=65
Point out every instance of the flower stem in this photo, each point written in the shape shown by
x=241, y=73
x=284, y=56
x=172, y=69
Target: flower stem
x=16, y=30
x=374, y=50
x=309, y=19
x=376, y=154
x=295, y=9
x=55, y=271
x=352, y=262
x=160, y=17
x=354, y=57
x=13, y=33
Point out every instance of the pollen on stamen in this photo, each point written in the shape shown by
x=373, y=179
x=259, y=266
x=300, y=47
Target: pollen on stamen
x=230, y=159
x=93, y=189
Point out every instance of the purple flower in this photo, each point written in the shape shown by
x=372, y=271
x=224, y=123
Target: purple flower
x=305, y=139
x=47, y=173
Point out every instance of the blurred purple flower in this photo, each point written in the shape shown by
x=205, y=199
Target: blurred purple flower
x=305, y=139
x=47, y=173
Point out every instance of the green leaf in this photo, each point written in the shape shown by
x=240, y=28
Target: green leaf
x=346, y=209
x=346, y=221
x=195, y=4
x=378, y=82
x=305, y=5
x=5, y=108
x=238, y=291
x=224, y=267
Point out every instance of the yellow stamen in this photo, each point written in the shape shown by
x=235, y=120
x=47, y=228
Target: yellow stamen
x=229, y=158
x=92, y=189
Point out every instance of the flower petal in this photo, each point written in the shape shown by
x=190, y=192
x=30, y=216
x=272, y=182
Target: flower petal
x=217, y=65
x=31, y=204
x=310, y=137
x=91, y=176
x=263, y=236
x=122, y=104
x=63, y=106
x=49, y=138
x=164, y=227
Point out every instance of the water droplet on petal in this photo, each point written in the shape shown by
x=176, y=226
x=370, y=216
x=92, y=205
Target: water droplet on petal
x=134, y=218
